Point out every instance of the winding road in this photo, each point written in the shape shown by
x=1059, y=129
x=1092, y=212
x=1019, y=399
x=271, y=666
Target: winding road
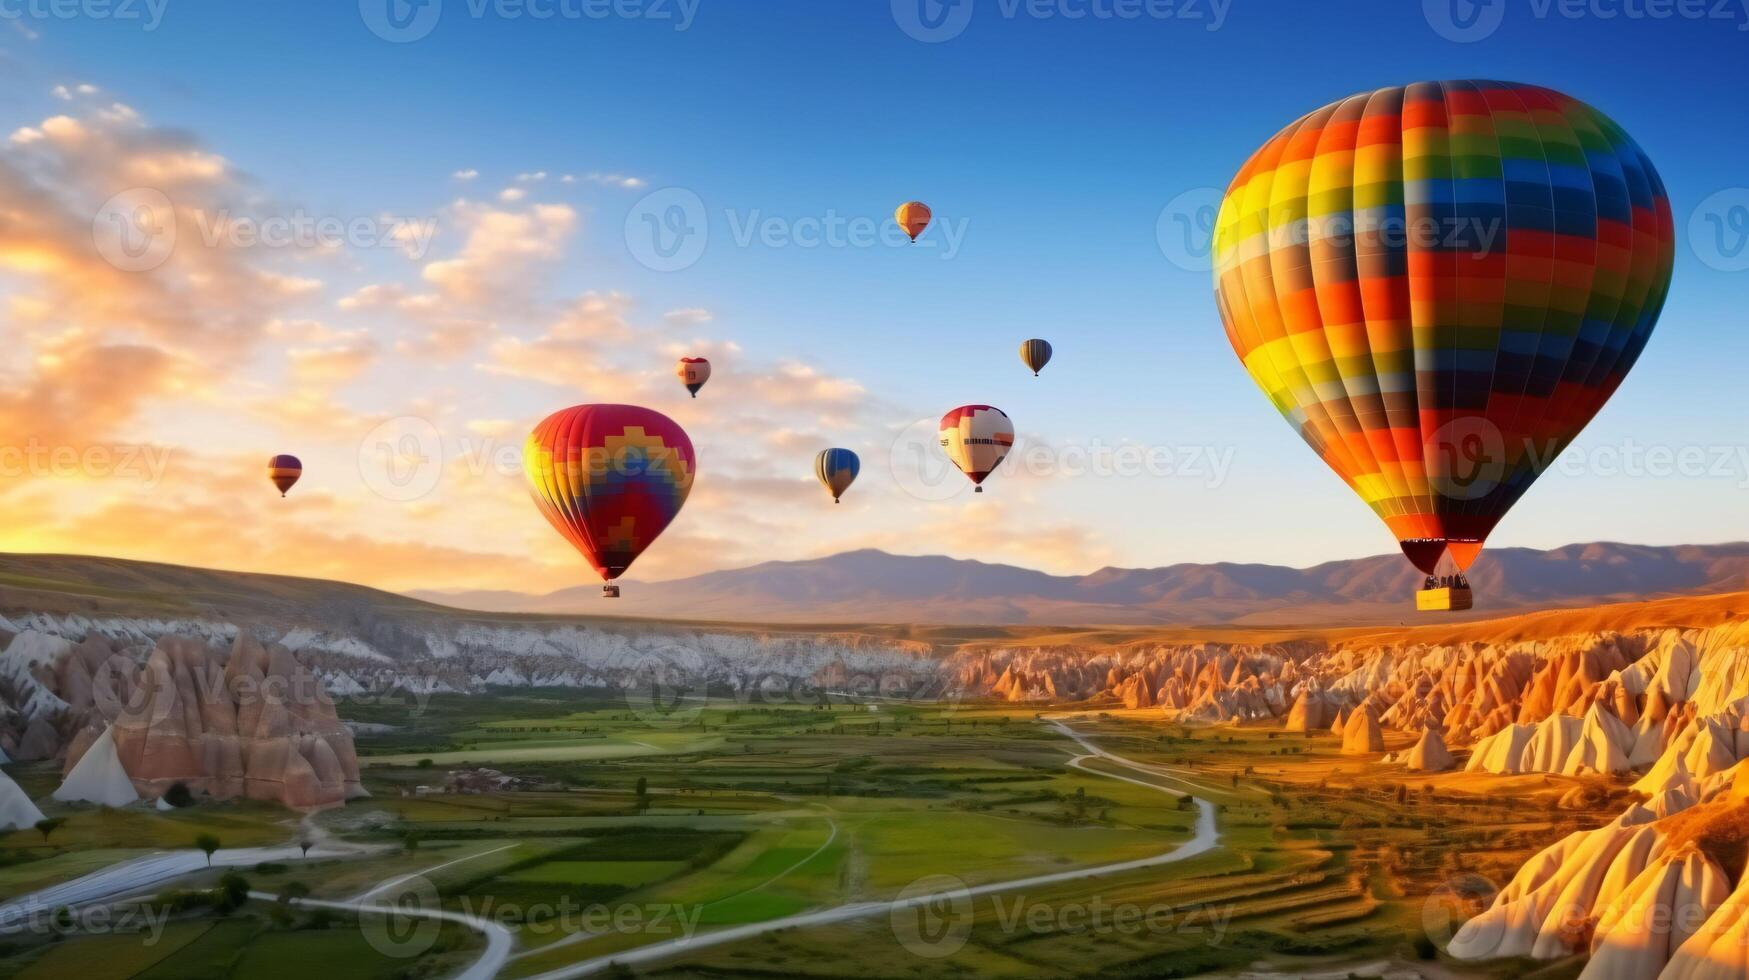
x=136, y=876
x=1206, y=838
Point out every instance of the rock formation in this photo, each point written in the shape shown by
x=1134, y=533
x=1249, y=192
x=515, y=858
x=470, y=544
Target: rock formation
x=1361, y=736
x=98, y=777
x=1430, y=754
x=17, y=812
x=250, y=722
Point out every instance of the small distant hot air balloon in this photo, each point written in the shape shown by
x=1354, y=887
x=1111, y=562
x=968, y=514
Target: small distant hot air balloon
x=609, y=478
x=977, y=438
x=1439, y=285
x=913, y=216
x=693, y=372
x=837, y=469
x=284, y=471
x=1035, y=354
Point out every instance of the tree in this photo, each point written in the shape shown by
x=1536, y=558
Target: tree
x=292, y=892
x=49, y=825
x=305, y=845
x=410, y=841
x=233, y=891
x=208, y=843
x=643, y=789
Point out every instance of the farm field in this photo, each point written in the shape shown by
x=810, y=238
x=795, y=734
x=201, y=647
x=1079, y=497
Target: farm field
x=744, y=814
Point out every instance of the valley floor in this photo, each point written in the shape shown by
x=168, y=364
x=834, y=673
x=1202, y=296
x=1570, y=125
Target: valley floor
x=889, y=839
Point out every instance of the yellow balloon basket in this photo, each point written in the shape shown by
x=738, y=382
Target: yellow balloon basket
x=1443, y=600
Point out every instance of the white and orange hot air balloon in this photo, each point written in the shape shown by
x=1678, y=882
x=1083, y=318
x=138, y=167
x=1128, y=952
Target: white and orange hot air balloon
x=977, y=438
x=913, y=216
x=693, y=372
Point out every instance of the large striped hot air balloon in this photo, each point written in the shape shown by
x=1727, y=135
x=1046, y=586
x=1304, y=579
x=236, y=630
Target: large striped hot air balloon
x=1439, y=285
x=977, y=438
x=1035, y=354
x=836, y=470
x=609, y=478
x=913, y=217
x=693, y=373
x=284, y=470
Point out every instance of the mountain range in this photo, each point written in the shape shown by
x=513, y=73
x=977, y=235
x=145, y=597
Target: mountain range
x=870, y=586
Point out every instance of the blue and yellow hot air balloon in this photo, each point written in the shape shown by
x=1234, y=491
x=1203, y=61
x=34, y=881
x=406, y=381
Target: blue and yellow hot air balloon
x=1035, y=354
x=836, y=470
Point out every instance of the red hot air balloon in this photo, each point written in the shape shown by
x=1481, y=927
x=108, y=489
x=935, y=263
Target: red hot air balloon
x=693, y=372
x=284, y=471
x=610, y=478
x=1438, y=286
x=977, y=438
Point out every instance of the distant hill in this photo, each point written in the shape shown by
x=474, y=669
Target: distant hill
x=876, y=587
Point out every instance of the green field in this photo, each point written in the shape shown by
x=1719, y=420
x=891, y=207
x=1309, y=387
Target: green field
x=740, y=814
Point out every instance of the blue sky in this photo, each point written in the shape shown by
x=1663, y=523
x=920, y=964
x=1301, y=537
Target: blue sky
x=1057, y=141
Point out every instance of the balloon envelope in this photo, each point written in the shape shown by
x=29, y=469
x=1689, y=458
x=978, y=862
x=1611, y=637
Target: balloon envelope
x=913, y=216
x=836, y=470
x=1035, y=354
x=1438, y=286
x=609, y=478
x=284, y=471
x=977, y=438
x=693, y=372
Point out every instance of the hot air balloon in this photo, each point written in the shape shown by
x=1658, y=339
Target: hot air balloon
x=693, y=372
x=609, y=478
x=1439, y=285
x=284, y=471
x=976, y=438
x=837, y=469
x=913, y=216
x=1035, y=354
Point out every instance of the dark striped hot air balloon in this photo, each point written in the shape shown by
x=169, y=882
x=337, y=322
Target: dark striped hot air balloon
x=284, y=471
x=977, y=438
x=610, y=478
x=1035, y=354
x=836, y=470
x=1438, y=286
x=693, y=373
x=913, y=217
